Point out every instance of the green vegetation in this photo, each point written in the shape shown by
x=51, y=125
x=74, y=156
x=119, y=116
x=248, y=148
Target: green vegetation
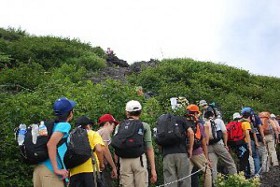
x=34, y=71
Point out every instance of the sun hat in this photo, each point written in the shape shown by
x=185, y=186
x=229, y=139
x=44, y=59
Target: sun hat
x=202, y=103
x=236, y=115
x=83, y=121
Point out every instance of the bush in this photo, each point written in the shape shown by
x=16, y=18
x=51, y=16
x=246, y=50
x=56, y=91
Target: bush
x=236, y=180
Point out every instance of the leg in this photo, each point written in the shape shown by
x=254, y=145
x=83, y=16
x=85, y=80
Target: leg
x=201, y=162
x=183, y=166
x=126, y=174
x=169, y=169
x=140, y=172
x=271, y=149
x=214, y=161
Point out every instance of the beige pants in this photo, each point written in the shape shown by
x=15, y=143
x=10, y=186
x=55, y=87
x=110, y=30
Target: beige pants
x=216, y=151
x=132, y=173
x=271, y=149
x=43, y=177
x=264, y=157
x=200, y=161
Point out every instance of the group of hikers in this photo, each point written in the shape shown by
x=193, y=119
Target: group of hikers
x=200, y=139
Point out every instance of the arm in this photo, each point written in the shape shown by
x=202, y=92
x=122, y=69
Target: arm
x=151, y=158
x=262, y=133
x=99, y=152
x=207, y=134
x=248, y=140
x=108, y=157
x=190, y=135
x=52, y=151
x=204, y=147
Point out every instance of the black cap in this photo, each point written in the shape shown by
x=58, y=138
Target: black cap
x=83, y=121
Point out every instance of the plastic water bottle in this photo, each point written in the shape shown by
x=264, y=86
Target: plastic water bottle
x=34, y=132
x=43, y=131
x=21, y=134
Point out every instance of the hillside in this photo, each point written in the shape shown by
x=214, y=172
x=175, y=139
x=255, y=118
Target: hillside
x=34, y=71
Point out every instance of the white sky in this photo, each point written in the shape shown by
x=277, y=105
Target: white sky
x=240, y=33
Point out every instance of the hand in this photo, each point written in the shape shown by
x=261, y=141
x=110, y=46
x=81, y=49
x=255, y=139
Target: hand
x=209, y=163
x=102, y=167
x=114, y=173
x=257, y=145
x=153, y=176
x=226, y=147
x=264, y=141
x=61, y=172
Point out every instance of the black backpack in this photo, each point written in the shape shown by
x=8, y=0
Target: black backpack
x=129, y=140
x=78, y=148
x=36, y=153
x=169, y=132
x=217, y=134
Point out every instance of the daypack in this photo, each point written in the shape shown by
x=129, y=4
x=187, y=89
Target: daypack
x=197, y=134
x=78, y=148
x=217, y=134
x=128, y=142
x=235, y=133
x=169, y=132
x=266, y=123
x=36, y=153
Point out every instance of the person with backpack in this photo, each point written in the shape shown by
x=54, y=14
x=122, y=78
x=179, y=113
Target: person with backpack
x=173, y=136
x=256, y=136
x=85, y=174
x=199, y=156
x=271, y=136
x=238, y=140
x=217, y=144
x=51, y=172
x=132, y=143
x=107, y=125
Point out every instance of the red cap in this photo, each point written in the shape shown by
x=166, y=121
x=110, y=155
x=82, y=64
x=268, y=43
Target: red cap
x=107, y=118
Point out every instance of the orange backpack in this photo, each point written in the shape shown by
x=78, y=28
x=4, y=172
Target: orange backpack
x=266, y=123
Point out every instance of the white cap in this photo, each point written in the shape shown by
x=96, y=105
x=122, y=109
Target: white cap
x=272, y=116
x=202, y=103
x=236, y=115
x=132, y=106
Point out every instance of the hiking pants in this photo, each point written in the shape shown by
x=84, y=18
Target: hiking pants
x=242, y=154
x=43, y=177
x=270, y=141
x=216, y=151
x=201, y=162
x=264, y=157
x=133, y=172
x=176, y=166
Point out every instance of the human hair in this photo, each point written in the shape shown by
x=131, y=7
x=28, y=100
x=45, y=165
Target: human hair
x=135, y=113
x=63, y=118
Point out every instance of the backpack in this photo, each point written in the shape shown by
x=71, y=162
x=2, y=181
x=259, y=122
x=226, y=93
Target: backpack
x=128, y=142
x=78, y=148
x=266, y=123
x=169, y=132
x=235, y=133
x=217, y=134
x=36, y=153
x=197, y=134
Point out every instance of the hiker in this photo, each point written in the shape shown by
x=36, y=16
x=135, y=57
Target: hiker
x=174, y=148
x=270, y=133
x=199, y=156
x=140, y=92
x=238, y=140
x=86, y=174
x=132, y=152
x=273, y=118
x=107, y=125
x=217, y=144
x=51, y=172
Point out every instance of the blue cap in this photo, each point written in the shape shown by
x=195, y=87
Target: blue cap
x=247, y=110
x=62, y=106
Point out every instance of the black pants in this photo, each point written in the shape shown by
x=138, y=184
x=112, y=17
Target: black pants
x=82, y=180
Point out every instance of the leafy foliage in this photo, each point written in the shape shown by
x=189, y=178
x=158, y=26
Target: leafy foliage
x=35, y=71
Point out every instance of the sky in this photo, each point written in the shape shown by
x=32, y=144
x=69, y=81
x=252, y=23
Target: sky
x=240, y=33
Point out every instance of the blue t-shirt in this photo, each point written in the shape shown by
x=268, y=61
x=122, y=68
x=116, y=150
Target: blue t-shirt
x=63, y=127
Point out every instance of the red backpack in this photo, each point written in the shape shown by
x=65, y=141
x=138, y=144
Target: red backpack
x=235, y=133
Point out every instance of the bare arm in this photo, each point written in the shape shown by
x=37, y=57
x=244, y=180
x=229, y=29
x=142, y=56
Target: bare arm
x=190, y=136
x=52, y=151
x=151, y=158
x=109, y=158
x=248, y=140
x=99, y=152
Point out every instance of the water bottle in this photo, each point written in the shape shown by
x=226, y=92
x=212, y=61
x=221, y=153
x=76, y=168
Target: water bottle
x=34, y=132
x=21, y=134
x=43, y=131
